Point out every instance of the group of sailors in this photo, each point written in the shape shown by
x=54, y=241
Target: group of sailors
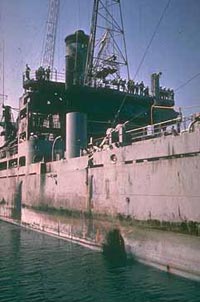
x=137, y=88
x=43, y=74
x=125, y=86
x=40, y=74
x=166, y=94
x=134, y=88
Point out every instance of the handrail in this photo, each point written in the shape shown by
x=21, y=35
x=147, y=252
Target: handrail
x=52, y=151
x=159, y=107
x=54, y=76
x=165, y=123
x=146, y=132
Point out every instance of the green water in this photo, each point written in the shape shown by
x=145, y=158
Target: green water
x=35, y=267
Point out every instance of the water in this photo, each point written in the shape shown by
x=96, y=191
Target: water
x=36, y=267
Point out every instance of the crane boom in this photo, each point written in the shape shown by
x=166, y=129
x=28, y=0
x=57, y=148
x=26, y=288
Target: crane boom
x=50, y=37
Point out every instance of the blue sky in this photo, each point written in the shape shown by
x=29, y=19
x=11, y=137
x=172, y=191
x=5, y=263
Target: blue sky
x=175, y=49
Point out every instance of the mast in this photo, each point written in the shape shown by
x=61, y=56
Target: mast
x=2, y=95
x=107, y=55
x=3, y=67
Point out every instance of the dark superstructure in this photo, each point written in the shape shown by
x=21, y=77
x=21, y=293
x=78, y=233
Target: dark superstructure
x=46, y=102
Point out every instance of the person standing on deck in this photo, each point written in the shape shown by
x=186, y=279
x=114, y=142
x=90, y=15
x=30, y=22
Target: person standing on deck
x=27, y=72
x=48, y=72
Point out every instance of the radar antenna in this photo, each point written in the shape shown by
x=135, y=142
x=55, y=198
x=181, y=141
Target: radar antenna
x=50, y=37
x=107, y=54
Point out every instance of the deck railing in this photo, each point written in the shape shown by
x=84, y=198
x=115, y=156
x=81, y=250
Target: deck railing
x=120, y=135
x=168, y=127
x=54, y=76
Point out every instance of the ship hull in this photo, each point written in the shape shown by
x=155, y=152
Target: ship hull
x=149, y=191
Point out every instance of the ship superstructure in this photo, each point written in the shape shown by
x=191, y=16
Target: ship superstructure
x=46, y=102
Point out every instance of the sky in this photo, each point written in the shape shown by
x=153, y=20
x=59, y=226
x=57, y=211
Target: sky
x=175, y=49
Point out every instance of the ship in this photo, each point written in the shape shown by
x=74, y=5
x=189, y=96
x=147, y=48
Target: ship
x=103, y=162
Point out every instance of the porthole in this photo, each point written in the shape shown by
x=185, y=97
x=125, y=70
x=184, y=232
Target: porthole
x=113, y=158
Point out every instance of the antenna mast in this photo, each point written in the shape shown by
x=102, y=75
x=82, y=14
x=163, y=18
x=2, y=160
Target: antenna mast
x=107, y=54
x=3, y=71
x=2, y=95
x=50, y=37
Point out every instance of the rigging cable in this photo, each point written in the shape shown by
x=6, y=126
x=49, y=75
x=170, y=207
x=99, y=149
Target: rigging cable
x=120, y=108
x=190, y=107
x=133, y=118
x=144, y=55
x=152, y=37
x=187, y=82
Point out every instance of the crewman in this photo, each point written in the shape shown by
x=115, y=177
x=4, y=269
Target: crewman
x=164, y=93
x=174, y=131
x=131, y=86
x=118, y=81
x=47, y=73
x=123, y=84
x=136, y=88
x=36, y=74
x=27, y=72
x=146, y=91
x=40, y=73
x=141, y=86
x=172, y=95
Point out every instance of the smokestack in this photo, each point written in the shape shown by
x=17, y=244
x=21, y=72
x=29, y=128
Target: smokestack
x=76, y=54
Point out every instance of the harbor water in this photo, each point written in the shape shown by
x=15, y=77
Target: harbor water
x=36, y=267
